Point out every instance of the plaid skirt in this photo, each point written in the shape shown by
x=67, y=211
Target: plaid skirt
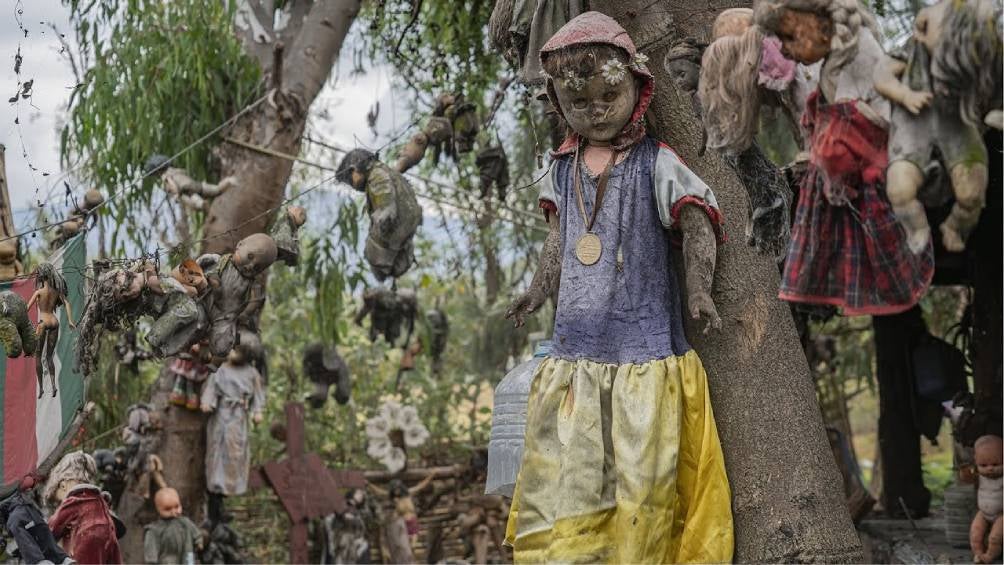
x=854, y=255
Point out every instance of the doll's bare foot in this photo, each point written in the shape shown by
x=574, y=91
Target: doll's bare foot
x=952, y=239
x=524, y=306
x=701, y=306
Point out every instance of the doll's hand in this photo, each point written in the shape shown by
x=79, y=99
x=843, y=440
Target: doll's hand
x=915, y=101
x=206, y=408
x=524, y=306
x=701, y=305
x=256, y=418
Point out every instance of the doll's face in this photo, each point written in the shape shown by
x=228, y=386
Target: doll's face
x=254, y=254
x=684, y=74
x=297, y=214
x=168, y=503
x=988, y=455
x=598, y=111
x=805, y=36
x=236, y=356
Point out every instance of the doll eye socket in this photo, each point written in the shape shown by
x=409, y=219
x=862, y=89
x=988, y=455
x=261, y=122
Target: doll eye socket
x=579, y=103
x=609, y=96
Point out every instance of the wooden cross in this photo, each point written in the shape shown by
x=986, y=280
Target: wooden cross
x=305, y=486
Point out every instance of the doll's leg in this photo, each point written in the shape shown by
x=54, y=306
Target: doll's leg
x=903, y=180
x=994, y=541
x=51, y=338
x=39, y=357
x=969, y=183
x=978, y=536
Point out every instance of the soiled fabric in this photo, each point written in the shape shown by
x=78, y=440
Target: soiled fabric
x=234, y=392
x=25, y=523
x=85, y=520
x=171, y=540
x=394, y=217
x=622, y=462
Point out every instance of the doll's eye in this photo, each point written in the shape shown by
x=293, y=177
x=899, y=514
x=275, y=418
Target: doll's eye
x=579, y=103
x=610, y=96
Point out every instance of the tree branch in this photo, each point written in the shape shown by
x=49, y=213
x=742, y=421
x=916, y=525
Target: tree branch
x=297, y=11
x=316, y=47
x=253, y=25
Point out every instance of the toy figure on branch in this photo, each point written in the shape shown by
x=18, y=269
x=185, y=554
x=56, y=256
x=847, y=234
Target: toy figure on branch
x=128, y=351
x=77, y=220
x=10, y=266
x=223, y=544
x=388, y=310
x=285, y=232
x=463, y=118
x=234, y=397
x=437, y=132
x=943, y=82
x=400, y=528
x=83, y=517
x=141, y=436
x=50, y=294
x=439, y=333
x=345, y=534
x=173, y=538
x=112, y=468
x=193, y=194
x=615, y=199
x=493, y=170
x=522, y=28
x=986, y=535
x=25, y=523
x=393, y=210
x=190, y=371
x=324, y=367
x=846, y=248
x=16, y=332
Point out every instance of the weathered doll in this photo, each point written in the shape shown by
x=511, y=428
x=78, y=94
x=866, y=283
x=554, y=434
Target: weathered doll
x=393, y=210
x=622, y=461
x=846, y=248
x=943, y=82
x=400, y=528
x=16, y=332
x=235, y=397
x=193, y=194
x=10, y=267
x=50, y=294
x=324, y=367
x=190, y=371
x=285, y=232
x=191, y=277
x=173, y=538
x=986, y=534
x=25, y=523
x=83, y=517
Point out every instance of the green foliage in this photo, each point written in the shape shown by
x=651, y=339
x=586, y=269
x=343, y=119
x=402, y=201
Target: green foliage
x=162, y=75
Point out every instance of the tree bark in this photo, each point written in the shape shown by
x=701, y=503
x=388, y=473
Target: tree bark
x=296, y=71
x=788, y=501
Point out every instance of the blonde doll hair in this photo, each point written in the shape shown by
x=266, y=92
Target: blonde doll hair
x=729, y=94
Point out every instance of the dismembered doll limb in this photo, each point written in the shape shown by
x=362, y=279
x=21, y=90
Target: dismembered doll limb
x=47, y=340
x=903, y=181
x=969, y=183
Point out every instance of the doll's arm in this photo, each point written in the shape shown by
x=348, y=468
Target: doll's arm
x=209, y=396
x=33, y=299
x=887, y=84
x=699, y=253
x=257, y=398
x=545, y=280
x=69, y=314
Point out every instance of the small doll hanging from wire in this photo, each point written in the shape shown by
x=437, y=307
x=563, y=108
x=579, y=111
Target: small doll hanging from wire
x=50, y=294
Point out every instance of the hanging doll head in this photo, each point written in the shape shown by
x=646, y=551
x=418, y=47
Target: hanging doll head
x=47, y=275
x=355, y=167
x=812, y=30
x=965, y=44
x=254, y=254
x=598, y=82
x=168, y=503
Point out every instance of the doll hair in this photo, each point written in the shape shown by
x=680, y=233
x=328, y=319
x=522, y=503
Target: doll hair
x=968, y=55
x=582, y=61
x=47, y=274
x=729, y=94
x=74, y=466
x=847, y=16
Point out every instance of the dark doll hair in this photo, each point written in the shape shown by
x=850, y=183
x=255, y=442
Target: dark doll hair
x=967, y=60
x=582, y=60
x=358, y=159
x=47, y=274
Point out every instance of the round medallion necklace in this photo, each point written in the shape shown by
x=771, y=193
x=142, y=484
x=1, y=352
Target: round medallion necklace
x=589, y=248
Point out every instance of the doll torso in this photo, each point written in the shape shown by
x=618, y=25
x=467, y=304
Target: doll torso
x=990, y=497
x=626, y=307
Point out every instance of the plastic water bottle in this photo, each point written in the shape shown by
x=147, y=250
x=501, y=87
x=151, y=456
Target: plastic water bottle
x=505, y=448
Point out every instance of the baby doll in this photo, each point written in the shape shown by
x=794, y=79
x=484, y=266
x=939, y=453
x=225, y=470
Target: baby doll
x=234, y=397
x=990, y=498
x=191, y=277
x=83, y=516
x=25, y=523
x=846, y=248
x=174, y=538
x=10, y=267
x=393, y=210
x=943, y=81
x=622, y=396
x=285, y=233
x=50, y=294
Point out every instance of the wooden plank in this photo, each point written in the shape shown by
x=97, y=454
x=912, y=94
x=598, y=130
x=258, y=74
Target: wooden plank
x=6, y=212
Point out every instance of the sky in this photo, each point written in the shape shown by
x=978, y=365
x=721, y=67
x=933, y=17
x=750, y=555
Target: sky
x=32, y=145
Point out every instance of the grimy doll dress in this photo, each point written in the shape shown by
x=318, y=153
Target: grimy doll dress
x=622, y=462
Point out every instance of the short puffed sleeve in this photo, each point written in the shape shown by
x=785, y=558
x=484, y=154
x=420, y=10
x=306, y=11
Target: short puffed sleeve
x=676, y=185
x=548, y=198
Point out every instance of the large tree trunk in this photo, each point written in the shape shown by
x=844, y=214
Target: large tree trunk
x=295, y=73
x=788, y=498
